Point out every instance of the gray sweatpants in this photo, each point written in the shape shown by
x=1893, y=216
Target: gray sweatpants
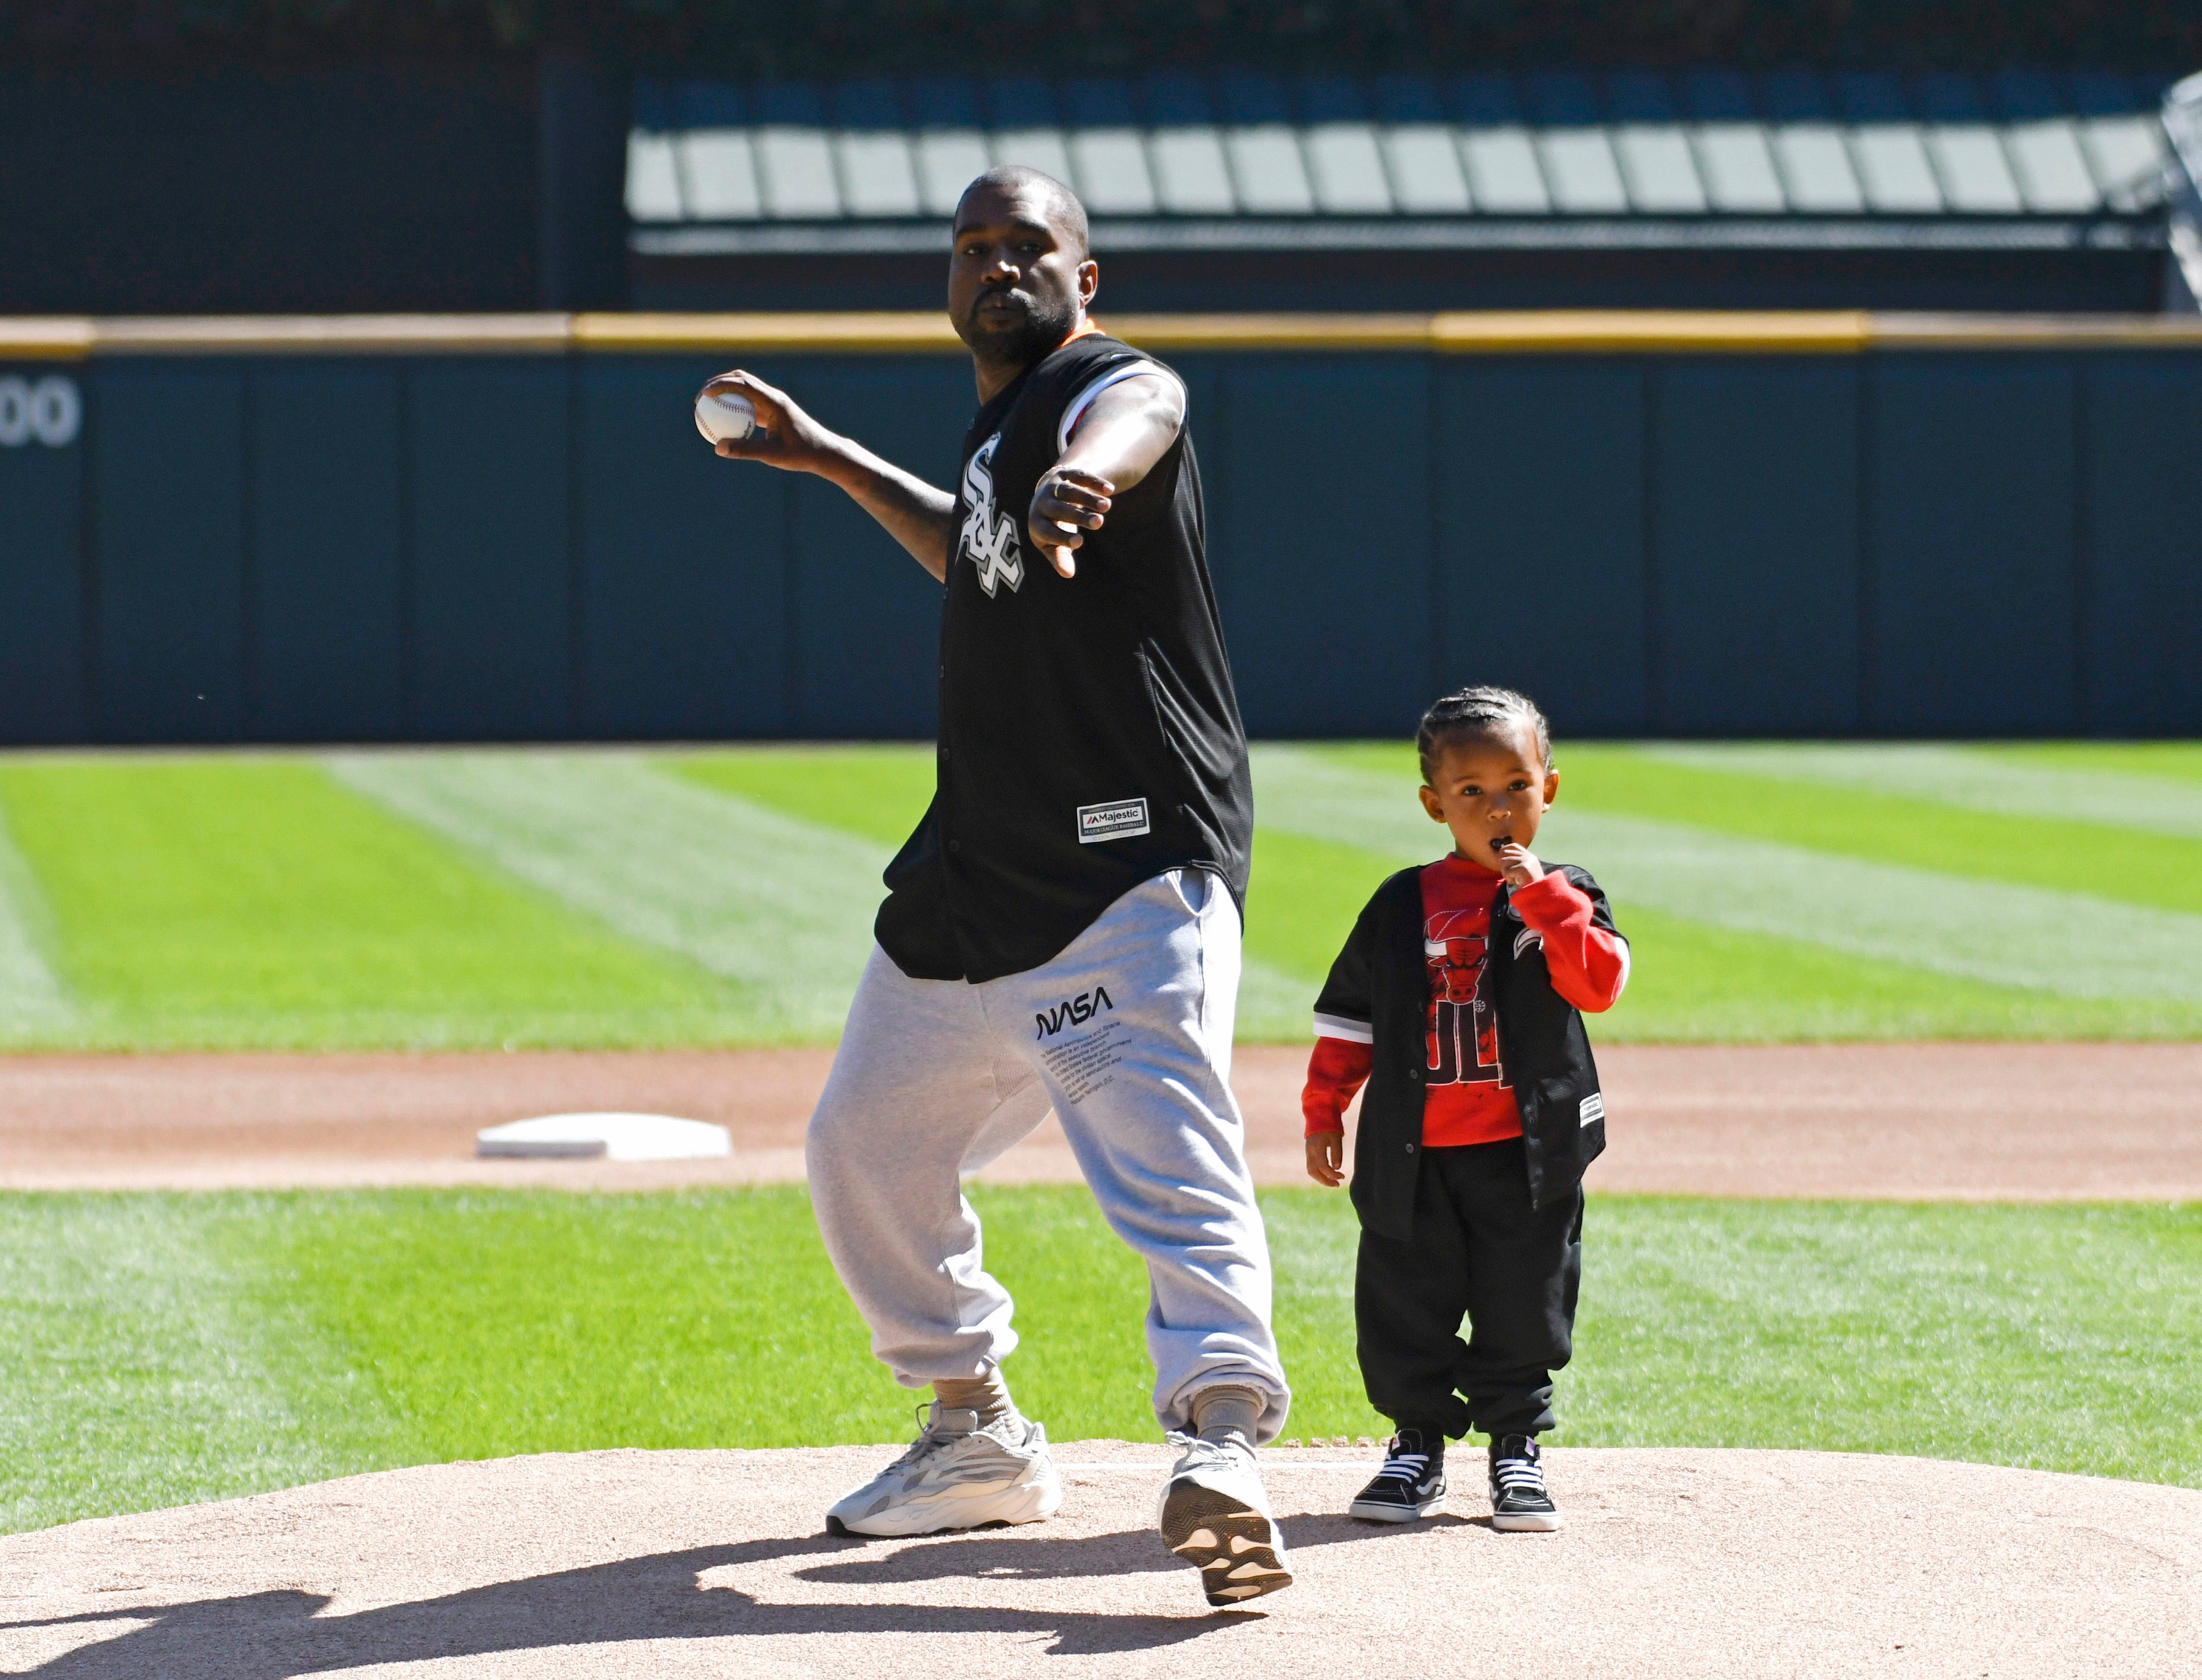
x=1126, y=1035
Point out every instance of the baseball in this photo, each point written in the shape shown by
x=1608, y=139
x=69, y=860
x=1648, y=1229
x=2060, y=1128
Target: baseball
x=725, y=414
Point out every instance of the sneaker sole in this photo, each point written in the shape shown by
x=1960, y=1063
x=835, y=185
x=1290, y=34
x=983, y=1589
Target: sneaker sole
x=1373, y=1513
x=1527, y=1522
x=1029, y=1502
x=1233, y=1546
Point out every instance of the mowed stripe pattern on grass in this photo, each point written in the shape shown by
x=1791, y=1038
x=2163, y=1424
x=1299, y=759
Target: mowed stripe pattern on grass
x=2071, y=944
x=32, y=1004
x=1965, y=777
x=137, y=1370
x=241, y=901
x=783, y=908
x=882, y=792
x=603, y=897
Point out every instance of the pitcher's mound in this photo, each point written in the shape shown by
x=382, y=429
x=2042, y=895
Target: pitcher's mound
x=672, y=1564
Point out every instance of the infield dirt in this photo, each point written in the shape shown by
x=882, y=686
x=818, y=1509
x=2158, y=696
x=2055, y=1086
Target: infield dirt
x=1994, y=1121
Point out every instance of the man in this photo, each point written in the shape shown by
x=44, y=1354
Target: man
x=1063, y=930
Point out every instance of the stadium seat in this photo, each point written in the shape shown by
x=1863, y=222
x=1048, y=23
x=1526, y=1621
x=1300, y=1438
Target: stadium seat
x=1421, y=151
x=1025, y=125
x=1345, y=155
x=1185, y=150
x=1581, y=169
x=1734, y=148
x=1891, y=152
x=1967, y=153
x=1817, y=175
x=2043, y=141
x=1504, y=173
x=950, y=146
x=1268, y=174
x=1653, y=149
x=2120, y=135
x=1108, y=154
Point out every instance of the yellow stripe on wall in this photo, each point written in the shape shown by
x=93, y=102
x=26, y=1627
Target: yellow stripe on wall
x=45, y=339
x=865, y=330
x=1560, y=331
x=1462, y=332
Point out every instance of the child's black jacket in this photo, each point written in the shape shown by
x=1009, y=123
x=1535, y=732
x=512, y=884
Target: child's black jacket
x=1381, y=977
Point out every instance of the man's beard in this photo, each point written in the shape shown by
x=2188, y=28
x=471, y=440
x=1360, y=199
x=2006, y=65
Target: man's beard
x=1044, y=326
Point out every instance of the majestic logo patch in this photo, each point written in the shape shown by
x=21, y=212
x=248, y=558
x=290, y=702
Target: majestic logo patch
x=1118, y=821
x=989, y=539
x=1071, y=1011
x=1593, y=1107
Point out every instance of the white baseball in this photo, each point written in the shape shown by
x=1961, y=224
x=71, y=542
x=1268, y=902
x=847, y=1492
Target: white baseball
x=725, y=414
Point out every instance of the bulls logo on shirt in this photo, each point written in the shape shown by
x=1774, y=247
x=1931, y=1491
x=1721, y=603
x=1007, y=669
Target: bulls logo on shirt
x=1462, y=1028
x=990, y=538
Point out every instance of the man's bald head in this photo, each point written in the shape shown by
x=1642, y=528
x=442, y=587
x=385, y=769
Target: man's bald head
x=1057, y=204
x=1022, y=270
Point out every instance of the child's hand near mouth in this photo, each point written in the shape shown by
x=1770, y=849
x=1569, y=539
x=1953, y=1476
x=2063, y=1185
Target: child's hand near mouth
x=1519, y=865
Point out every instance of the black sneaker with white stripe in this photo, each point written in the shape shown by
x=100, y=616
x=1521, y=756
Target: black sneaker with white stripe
x=1518, y=1499
x=1410, y=1485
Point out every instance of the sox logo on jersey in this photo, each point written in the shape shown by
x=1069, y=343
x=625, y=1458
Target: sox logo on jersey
x=989, y=537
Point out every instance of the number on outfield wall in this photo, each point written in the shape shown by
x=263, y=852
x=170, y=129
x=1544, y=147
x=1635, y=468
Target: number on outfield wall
x=50, y=409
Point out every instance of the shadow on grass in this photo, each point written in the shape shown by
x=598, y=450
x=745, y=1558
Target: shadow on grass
x=270, y=1635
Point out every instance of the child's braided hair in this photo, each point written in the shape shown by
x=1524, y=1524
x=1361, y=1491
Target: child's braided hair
x=1477, y=712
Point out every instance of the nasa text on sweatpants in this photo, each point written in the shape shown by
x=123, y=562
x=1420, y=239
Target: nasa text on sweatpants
x=1126, y=1035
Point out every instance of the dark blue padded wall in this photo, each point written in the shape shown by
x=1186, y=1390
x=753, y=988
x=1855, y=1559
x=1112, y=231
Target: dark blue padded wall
x=684, y=596
x=325, y=647
x=1318, y=494
x=43, y=690
x=494, y=585
x=1970, y=575
x=2139, y=628
x=1755, y=546
x=529, y=548
x=169, y=558
x=1538, y=498
x=865, y=618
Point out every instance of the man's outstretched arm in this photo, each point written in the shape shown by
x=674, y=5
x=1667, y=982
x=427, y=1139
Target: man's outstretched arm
x=1115, y=444
x=919, y=517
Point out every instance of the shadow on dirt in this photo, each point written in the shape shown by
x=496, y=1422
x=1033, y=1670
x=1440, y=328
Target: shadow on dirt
x=273, y=1635
x=1001, y=1555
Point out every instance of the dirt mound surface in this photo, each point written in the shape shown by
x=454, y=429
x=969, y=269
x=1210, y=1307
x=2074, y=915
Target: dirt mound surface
x=1672, y=1563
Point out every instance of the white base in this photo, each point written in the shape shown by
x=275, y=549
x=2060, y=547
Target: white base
x=606, y=1138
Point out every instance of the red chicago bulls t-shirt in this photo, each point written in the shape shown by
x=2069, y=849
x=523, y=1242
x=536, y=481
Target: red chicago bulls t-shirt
x=1467, y=1099
x=1466, y=1096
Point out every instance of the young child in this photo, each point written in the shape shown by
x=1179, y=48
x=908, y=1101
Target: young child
x=1457, y=998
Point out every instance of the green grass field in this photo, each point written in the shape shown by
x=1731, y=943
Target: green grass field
x=160, y=1349
x=724, y=898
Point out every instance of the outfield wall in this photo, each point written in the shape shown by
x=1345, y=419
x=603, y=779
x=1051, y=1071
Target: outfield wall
x=505, y=528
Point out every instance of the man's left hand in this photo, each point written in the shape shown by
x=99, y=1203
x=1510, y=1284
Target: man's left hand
x=1069, y=502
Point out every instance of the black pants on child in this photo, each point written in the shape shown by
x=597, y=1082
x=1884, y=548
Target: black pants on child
x=1480, y=1252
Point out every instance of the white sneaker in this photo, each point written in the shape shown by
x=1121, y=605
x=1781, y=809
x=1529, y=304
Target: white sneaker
x=1215, y=1515
x=956, y=1476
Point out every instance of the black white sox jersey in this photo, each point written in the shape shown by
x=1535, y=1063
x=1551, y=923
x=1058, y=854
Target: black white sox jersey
x=1089, y=735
